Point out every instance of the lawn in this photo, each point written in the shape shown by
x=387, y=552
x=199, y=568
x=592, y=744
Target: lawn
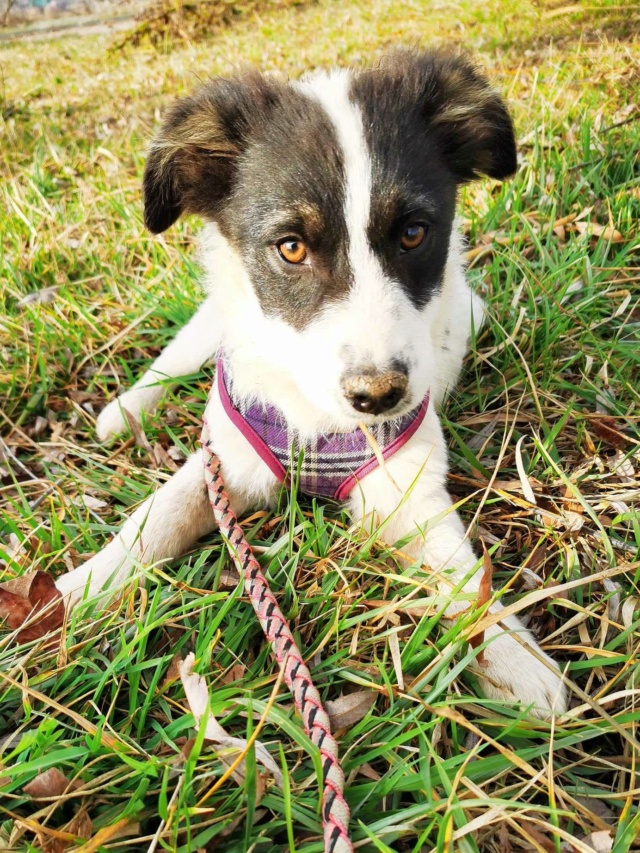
x=545, y=459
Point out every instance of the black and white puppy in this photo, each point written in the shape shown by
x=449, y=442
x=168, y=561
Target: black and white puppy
x=336, y=290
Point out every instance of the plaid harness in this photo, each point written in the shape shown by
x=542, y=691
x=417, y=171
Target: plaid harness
x=331, y=464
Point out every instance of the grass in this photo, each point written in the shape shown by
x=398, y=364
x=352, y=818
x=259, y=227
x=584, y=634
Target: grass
x=552, y=387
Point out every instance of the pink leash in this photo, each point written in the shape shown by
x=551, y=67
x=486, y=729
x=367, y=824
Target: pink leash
x=335, y=810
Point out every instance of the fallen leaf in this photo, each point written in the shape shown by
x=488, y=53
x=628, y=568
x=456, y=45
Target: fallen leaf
x=531, y=580
x=14, y=549
x=564, y=220
x=163, y=458
x=613, y=589
x=484, y=595
x=504, y=844
x=173, y=672
x=594, y=229
x=571, y=505
x=23, y=597
x=601, y=841
x=368, y=772
x=599, y=808
x=197, y=693
x=629, y=607
x=394, y=648
x=235, y=673
x=138, y=433
x=532, y=834
x=349, y=709
x=43, y=296
x=607, y=430
x=89, y=502
x=80, y=824
x=575, y=287
x=229, y=579
x=527, y=491
x=618, y=463
x=52, y=783
x=52, y=845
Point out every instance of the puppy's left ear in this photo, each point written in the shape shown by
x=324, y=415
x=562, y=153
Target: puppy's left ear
x=469, y=118
x=192, y=161
x=465, y=116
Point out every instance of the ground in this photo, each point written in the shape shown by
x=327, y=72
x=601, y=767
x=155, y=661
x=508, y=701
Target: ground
x=544, y=440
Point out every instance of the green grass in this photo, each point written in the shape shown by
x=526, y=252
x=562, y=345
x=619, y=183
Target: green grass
x=433, y=766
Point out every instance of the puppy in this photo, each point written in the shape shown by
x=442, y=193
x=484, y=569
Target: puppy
x=338, y=309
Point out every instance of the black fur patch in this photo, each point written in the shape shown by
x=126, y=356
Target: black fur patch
x=193, y=159
x=263, y=161
x=290, y=182
x=431, y=122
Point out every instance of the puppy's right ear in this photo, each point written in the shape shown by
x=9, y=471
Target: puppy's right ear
x=193, y=159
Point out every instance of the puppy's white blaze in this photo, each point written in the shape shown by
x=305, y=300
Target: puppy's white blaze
x=332, y=90
x=372, y=299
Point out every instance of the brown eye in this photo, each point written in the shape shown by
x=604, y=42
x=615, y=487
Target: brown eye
x=292, y=250
x=412, y=236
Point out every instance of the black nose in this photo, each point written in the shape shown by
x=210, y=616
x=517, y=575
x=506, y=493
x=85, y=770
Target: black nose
x=374, y=393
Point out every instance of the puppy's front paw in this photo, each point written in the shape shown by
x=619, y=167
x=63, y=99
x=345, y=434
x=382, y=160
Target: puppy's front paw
x=519, y=672
x=111, y=420
x=103, y=574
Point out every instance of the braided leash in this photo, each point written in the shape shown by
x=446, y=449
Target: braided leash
x=335, y=811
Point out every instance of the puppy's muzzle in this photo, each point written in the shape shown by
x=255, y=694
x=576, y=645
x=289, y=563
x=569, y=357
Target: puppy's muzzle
x=372, y=392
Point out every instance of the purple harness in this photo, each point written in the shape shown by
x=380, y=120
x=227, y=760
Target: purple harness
x=329, y=465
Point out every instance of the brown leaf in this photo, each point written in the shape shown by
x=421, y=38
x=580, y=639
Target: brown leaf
x=504, y=844
x=349, y=709
x=235, y=673
x=595, y=229
x=532, y=834
x=163, y=458
x=484, y=596
x=173, y=672
x=368, y=772
x=569, y=504
x=138, y=433
x=564, y=220
x=80, y=824
x=607, y=430
x=27, y=595
x=229, y=579
x=51, y=783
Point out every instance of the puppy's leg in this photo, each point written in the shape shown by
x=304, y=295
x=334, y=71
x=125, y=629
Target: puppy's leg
x=514, y=668
x=164, y=527
x=194, y=344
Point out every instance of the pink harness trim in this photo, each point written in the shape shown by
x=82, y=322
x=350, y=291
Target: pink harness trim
x=351, y=482
x=260, y=446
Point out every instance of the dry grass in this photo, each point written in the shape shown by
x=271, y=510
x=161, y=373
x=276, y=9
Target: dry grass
x=544, y=443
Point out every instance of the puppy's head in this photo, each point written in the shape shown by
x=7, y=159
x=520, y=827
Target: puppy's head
x=335, y=195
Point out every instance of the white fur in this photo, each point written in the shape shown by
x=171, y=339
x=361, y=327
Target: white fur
x=299, y=371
